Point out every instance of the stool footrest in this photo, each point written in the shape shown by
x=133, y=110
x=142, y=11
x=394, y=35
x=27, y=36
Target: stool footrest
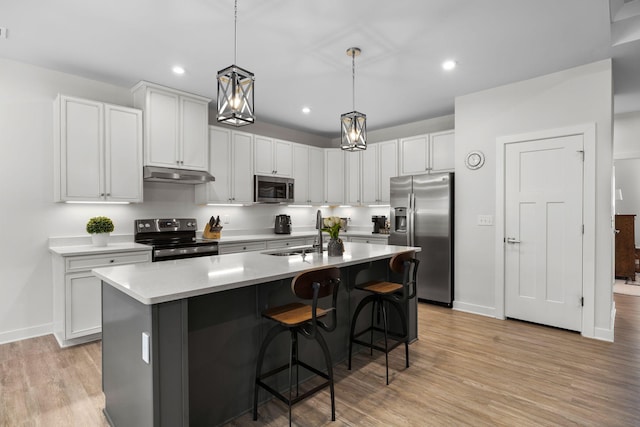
x=303, y=396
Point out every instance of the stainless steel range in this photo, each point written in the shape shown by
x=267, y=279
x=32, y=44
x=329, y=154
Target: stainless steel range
x=173, y=238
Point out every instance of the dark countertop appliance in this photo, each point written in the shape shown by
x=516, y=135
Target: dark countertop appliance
x=378, y=223
x=283, y=224
x=173, y=238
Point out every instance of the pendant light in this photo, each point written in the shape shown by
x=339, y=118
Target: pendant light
x=235, y=89
x=354, y=124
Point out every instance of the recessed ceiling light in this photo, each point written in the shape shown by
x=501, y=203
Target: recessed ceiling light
x=178, y=70
x=449, y=65
x=306, y=110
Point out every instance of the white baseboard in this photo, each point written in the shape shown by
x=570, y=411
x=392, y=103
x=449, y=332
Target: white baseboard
x=607, y=334
x=474, y=309
x=23, y=334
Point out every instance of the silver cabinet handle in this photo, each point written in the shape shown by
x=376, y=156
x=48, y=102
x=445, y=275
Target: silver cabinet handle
x=512, y=240
x=617, y=231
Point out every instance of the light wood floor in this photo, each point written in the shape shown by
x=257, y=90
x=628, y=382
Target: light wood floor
x=465, y=370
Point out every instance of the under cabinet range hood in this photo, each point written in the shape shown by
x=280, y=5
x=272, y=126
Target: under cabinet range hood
x=178, y=176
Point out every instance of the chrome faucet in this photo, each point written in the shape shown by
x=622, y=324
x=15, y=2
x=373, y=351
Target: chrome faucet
x=318, y=243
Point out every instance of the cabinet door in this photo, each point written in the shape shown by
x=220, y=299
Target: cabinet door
x=83, y=302
x=369, y=174
x=242, y=167
x=301, y=173
x=81, y=149
x=283, y=158
x=352, y=182
x=334, y=176
x=161, y=129
x=316, y=175
x=414, y=155
x=442, y=151
x=388, y=168
x=263, y=155
x=219, y=166
x=194, y=115
x=123, y=153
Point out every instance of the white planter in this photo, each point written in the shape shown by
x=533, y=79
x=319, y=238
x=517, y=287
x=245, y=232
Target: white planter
x=100, y=239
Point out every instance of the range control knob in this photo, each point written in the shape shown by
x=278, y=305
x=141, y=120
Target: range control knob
x=140, y=225
x=147, y=225
x=189, y=224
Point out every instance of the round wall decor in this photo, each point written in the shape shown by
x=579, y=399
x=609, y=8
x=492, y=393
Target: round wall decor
x=474, y=160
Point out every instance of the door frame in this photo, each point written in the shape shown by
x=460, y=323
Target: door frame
x=588, y=133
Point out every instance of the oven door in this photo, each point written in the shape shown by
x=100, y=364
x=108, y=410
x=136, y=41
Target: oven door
x=166, y=253
x=272, y=189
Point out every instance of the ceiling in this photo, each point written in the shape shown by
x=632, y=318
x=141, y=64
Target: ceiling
x=297, y=49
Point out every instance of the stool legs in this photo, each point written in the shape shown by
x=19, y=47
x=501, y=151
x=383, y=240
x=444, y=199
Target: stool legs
x=379, y=308
x=293, y=360
x=273, y=332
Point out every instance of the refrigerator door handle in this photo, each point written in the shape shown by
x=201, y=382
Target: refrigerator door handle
x=411, y=220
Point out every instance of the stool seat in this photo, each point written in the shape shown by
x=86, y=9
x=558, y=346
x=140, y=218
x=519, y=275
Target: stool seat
x=380, y=287
x=293, y=314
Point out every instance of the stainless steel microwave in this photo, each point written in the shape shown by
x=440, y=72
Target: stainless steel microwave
x=272, y=189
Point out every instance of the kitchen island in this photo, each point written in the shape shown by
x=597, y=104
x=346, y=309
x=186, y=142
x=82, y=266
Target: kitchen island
x=180, y=338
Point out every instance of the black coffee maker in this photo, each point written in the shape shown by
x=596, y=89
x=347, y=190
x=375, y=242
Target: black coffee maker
x=379, y=222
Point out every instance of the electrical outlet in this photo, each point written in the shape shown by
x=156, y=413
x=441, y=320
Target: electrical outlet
x=485, y=219
x=225, y=219
x=146, y=348
x=3, y=32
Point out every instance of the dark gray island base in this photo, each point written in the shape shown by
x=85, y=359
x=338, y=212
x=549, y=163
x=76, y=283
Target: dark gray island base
x=203, y=349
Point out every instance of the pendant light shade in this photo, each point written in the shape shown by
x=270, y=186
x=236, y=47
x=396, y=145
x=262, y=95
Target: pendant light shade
x=235, y=89
x=353, y=125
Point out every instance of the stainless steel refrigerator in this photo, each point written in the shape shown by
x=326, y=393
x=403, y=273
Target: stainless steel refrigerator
x=422, y=215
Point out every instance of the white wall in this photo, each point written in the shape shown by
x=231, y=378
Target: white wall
x=29, y=216
x=626, y=135
x=572, y=97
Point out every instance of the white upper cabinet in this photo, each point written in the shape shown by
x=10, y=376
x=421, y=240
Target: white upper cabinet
x=388, y=168
x=230, y=163
x=316, y=175
x=97, y=151
x=427, y=153
x=442, y=151
x=334, y=174
x=308, y=174
x=273, y=157
x=414, y=155
x=241, y=167
x=353, y=177
x=176, y=127
x=370, y=174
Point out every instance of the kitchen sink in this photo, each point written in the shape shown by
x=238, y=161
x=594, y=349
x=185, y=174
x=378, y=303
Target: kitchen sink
x=292, y=251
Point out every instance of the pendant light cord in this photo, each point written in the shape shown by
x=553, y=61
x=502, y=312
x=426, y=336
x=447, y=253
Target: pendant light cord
x=235, y=34
x=353, y=78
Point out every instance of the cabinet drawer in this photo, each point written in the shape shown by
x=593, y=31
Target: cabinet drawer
x=371, y=240
x=87, y=262
x=277, y=244
x=241, y=247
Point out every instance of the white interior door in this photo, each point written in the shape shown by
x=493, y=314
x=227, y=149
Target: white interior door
x=544, y=231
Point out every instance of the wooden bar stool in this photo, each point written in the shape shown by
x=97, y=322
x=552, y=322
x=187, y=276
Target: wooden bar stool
x=387, y=294
x=301, y=319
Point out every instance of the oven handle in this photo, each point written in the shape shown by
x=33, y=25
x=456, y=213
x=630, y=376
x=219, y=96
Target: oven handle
x=187, y=252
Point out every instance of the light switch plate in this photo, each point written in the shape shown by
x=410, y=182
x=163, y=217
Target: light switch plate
x=145, y=348
x=485, y=219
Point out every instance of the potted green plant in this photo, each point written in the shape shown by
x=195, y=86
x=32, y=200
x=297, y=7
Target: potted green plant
x=332, y=225
x=100, y=228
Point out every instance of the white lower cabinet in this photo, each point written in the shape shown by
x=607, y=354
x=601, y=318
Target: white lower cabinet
x=232, y=248
x=372, y=240
x=77, y=301
x=277, y=244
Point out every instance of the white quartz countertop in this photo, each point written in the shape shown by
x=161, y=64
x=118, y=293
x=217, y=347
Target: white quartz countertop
x=157, y=282
x=75, y=250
